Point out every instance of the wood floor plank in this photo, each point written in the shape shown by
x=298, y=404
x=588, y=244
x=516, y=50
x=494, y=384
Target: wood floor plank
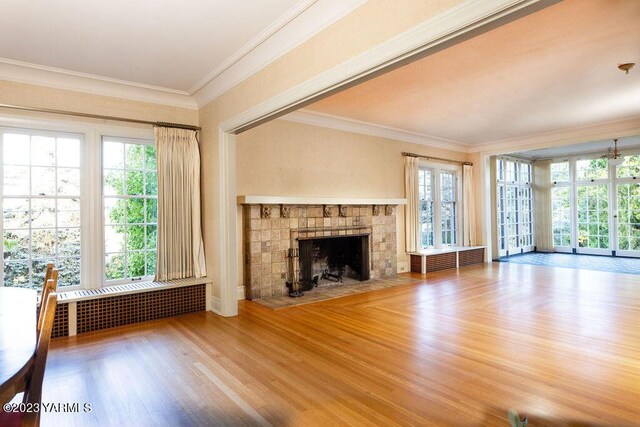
x=453, y=348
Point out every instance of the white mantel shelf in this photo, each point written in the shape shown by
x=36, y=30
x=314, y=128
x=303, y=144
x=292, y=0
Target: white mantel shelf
x=285, y=200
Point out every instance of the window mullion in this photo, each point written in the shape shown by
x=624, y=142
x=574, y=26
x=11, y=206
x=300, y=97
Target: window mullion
x=437, y=211
x=93, y=231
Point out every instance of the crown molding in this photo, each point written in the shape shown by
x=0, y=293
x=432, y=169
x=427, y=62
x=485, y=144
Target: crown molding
x=596, y=132
x=309, y=22
x=24, y=72
x=372, y=129
x=276, y=26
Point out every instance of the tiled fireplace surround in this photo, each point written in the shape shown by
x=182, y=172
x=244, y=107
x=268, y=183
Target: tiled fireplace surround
x=271, y=229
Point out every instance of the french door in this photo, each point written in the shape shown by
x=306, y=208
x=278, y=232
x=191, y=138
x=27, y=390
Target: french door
x=514, y=207
x=627, y=219
x=596, y=206
x=593, y=219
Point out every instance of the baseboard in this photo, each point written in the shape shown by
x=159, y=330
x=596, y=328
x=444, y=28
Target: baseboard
x=216, y=305
x=403, y=266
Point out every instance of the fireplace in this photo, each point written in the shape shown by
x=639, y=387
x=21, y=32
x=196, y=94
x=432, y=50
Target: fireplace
x=273, y=231
x=333, y=258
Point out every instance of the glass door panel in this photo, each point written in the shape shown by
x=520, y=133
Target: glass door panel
x=628, y=224
x=502, y=221
x=526, y=216
x=561, y=216
x=512, y=219
x=593, y=218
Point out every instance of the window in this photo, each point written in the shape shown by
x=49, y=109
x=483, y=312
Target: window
x=41, y=195
x=512, y=172
x=448, y=207
x=438, y=192
x=500, y=170
x=525, y=173
x=592, y=169
x=560, y=172
x=426, y=207
x=630, y=168
x=51, y=182
x=597, y=210
x=130, y=188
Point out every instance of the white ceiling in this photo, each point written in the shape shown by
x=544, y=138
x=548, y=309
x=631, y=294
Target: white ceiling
x=168, y=43
x=178, y=47
x=555, y=69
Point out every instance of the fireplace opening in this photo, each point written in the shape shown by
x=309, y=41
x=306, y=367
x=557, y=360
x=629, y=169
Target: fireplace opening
x=333, y=259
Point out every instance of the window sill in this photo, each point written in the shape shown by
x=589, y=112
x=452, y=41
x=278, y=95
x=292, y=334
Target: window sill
x=447, y=249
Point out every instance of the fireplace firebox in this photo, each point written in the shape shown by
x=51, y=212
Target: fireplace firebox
x=333, y=258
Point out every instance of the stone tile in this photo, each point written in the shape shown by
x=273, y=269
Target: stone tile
x=254, y=212
x=255, y=247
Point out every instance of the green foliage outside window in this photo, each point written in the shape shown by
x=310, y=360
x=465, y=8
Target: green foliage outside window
x=131, y=215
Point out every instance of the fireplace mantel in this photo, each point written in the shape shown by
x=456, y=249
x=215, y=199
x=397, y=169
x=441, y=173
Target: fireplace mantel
x=288, y=200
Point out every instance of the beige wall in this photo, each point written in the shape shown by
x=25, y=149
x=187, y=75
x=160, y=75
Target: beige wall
x=283, y=158
x=338, y=43
x=45, y=97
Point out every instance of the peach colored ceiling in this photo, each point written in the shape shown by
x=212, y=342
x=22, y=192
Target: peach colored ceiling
x=552, y=70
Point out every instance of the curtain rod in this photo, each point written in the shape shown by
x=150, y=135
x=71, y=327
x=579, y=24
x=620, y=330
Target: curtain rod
x=404, y=153
x=99, y=116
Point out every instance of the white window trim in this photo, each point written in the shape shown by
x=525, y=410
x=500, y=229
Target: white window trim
x=91, y=207
x=435, y=169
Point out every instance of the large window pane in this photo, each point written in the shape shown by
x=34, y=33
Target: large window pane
x=130, y=209
x=592, y=169
x=560, y=172
x=425, y=182
x=630, y=168
x=40, y=225
x=448, y=207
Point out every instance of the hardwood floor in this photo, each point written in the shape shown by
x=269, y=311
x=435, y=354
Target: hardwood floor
x=561, y=346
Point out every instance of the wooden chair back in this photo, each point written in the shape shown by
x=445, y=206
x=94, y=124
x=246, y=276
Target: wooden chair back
x=50, y=285
x=33, y=389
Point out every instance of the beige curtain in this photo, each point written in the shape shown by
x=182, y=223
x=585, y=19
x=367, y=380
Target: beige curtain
x=412, y=209
x=542, y=205
x=180, y=246
x=468, y=207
